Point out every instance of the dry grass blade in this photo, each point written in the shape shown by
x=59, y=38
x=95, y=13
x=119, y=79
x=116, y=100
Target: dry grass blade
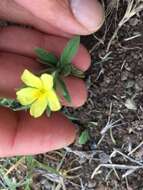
x=13, y=167
x=132, y=151
x=81, y=154
x=130, y=168
x=112, y=4
x=110, y=125
x=115, y=166
x=133, y=8
x=125, y=156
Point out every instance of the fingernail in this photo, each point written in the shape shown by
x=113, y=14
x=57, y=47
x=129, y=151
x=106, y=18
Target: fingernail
x=89, y=13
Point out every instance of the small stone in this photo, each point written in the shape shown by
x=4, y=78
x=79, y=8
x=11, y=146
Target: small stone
x=130, y=104
x=124, y=75
x=140, y=83
x=101, y=187
x=137, y=87
x=107, y=80
x=130, y=84
x=92, y=184
x=104, y=158
x=134, y=21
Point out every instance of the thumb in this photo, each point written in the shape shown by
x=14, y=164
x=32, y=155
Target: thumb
x=72, y=16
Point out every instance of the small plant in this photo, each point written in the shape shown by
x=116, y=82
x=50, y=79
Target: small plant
x=84, y=137
x=40, y=91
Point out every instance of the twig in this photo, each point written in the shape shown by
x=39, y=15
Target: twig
x=15, y=166
x=110, y=125
x=130, y=12
x=116, y=166
x=131, y=152
x=82, y=155
x=125, y=156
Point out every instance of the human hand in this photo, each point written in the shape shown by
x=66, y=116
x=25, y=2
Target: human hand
x=19, y=133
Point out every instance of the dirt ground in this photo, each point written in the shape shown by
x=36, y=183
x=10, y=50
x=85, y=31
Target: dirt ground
x=113, y=114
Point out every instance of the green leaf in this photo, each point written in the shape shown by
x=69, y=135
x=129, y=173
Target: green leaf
x=46, y=56
x=27, y=186
x=33, y=163
x=29, y=161
x=63, y=89
x=46, y=167
x=12, y=104
x=77, y=72
x=72, y=118
x=84, y=137
x=6, y=102
x=70, y=50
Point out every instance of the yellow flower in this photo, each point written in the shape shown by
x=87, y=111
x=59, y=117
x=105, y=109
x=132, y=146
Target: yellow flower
x=39, y=93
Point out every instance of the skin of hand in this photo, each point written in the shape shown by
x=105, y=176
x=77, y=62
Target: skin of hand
x=52, y=21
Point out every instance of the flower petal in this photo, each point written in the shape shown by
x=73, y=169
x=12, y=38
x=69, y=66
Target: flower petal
x=39, y=106
x=47, y=81
x=31, y=80
x=53, y=101
x=27, y=95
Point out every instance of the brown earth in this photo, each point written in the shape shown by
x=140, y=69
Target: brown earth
x=115, y=85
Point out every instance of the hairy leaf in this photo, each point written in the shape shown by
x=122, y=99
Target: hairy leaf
x=70, y=50
x=46, y=56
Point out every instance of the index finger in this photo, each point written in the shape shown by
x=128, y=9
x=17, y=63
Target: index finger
x=23, y=41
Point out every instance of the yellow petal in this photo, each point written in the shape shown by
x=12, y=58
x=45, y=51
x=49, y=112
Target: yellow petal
x=27, y=95
x=47, y=81
x=31, y=80
x=53, y=100
x=39, y=106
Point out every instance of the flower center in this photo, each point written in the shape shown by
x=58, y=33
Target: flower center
x=42, y=91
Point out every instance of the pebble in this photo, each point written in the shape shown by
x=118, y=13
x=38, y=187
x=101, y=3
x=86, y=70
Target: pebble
x=134, y=21
x=124, y=75
x=130, y=104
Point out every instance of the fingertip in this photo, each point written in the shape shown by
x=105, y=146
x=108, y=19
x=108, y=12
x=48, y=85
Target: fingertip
x=89, y=14
x=74, y=16
x=65, y=130
x=77, y=90
x=82, y=59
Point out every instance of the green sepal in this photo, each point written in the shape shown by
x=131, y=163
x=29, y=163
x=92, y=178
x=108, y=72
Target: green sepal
x=77, y=72
x=60, y=84
x=48, y=112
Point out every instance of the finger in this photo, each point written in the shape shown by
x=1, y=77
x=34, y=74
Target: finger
x=11, y=68
x=74, y=16
x=22, y=135
x=24, y=41
x=11, y=11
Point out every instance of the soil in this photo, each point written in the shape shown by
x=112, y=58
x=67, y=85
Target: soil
x=115, y=86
